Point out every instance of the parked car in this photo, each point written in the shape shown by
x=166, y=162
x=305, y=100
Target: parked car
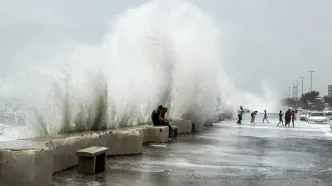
x=317, y=117
x=329, y=116
x=327, y=111
x=304, y=115
x=308, y=114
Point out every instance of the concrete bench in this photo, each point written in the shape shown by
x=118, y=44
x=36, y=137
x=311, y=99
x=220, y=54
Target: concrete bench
x=184, y=126
x=91, y=160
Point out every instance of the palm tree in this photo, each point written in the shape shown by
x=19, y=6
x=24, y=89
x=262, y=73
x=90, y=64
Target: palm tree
x=328, y=100
x=309, y=98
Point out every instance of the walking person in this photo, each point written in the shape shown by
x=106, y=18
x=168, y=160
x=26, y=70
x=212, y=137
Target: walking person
x=265, y=117
x=253, y=114
x=280, y=119
x=288, y=116
x=239, y=114
x=293, y=117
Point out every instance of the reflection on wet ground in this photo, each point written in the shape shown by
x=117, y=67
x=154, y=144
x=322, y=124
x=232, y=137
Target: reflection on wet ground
x=226, y=154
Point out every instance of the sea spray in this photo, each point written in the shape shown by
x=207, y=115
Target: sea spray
x=163, y=52
x=173, y=48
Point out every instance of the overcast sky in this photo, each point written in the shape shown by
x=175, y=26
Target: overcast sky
x=272, y=40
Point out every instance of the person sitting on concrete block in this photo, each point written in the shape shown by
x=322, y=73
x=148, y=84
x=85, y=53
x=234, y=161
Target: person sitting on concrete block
x=174, y=129
x=158, y=120
x=163, y=113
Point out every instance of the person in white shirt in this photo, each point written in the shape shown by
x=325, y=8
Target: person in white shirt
x=239, y=114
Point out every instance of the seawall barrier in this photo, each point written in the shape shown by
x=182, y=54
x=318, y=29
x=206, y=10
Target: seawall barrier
x=32, y=162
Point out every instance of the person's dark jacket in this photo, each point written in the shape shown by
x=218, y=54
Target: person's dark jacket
x=288, y=115
x=155, y=118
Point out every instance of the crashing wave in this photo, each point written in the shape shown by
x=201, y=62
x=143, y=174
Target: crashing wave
x=163, y=52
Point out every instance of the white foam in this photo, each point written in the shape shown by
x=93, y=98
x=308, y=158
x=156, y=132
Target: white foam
x=158, y=146
x=162, y=52
x=10, y=133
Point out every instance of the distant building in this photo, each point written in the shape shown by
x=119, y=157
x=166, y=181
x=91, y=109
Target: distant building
x=329, y=92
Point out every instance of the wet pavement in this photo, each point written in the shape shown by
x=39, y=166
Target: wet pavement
x=226, y=154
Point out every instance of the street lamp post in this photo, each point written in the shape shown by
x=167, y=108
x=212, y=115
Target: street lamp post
x=289, y=91
x=302, y=84
x=311, y=71
x=297, y=87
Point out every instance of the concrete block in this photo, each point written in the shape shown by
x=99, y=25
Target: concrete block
x=126, y=142
x=92, y=160
x=158, y=134
x=64, y=151
x=28, y=167
x=61, y=150
x=184, y=126
x=145, y=130
x=151, y=134
x=123, y=142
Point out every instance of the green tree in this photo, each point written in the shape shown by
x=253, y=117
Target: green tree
x=309, y=99
x=289, y=102
x=328, y=100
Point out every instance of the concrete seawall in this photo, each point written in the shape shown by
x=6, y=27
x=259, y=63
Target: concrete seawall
x=32, y=162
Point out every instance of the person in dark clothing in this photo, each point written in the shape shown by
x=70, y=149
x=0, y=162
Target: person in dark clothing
x=253, y=114
x=155, y=116
x=293, y=117
x=280, y=119
x=158, y=118
x=265, y=117
x=239, y=114
x=288, y=116
x=165, y=109
x=163, y=120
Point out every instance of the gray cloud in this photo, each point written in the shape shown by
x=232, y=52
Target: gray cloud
x=276, y=40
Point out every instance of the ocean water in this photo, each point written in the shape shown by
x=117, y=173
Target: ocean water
x=161, y=52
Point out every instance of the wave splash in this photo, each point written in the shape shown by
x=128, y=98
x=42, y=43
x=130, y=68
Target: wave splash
x=163, y=52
